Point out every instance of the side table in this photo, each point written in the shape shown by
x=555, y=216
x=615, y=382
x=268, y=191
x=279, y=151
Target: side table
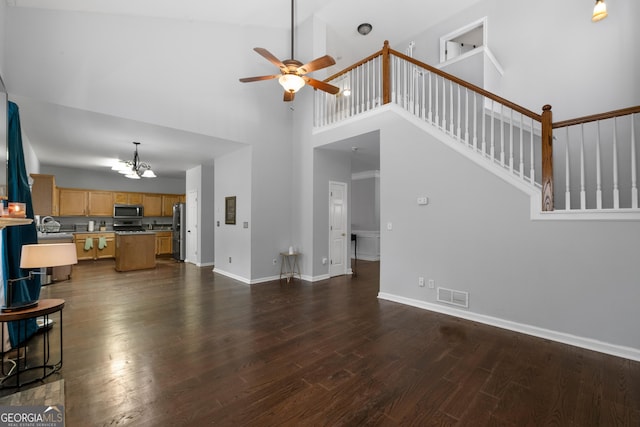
x=289, y=265
x=44, y=308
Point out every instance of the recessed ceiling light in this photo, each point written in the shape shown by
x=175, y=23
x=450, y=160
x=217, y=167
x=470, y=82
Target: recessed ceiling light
x=365, y=28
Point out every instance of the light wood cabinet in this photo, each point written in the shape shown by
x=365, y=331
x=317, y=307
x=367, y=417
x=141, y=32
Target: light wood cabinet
x=100, y=203
x=168, y=200
x=73, y=202
x=164, y=244
x=94, y=251
x=125, y=198
x=152, y=204
x=44, y=194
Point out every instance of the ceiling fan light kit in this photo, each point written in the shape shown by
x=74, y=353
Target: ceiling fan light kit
x=134, y=169
x=292, y=72
x=599, y=11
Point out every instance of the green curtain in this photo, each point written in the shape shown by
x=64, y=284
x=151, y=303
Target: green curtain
x=18, y=191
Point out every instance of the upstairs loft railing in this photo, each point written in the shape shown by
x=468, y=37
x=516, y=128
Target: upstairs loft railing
x=506, y=134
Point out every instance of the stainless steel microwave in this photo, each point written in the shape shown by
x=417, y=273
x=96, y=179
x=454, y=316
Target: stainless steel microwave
x=128, y=211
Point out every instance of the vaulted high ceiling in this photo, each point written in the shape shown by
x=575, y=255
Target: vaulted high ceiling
x=91, y=76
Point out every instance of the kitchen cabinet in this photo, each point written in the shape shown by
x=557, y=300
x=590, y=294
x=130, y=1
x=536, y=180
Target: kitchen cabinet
x=44, y=194
x=73, y=202
x=164, y=242
x=152, y=204
x=125, y=198
x=100, y=203
x=168, y=200
x=94, y=252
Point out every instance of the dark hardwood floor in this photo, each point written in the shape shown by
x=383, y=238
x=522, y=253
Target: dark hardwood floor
x=181, y=346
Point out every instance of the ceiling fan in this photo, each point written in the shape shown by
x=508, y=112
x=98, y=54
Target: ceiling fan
x=292, y=72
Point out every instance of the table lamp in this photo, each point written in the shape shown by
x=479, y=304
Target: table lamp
x=39, y=256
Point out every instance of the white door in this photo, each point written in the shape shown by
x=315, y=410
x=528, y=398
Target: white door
x=191, y=254
x=338, y=256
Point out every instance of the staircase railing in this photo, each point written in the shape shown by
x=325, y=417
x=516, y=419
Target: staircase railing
x=597, y=161
x=508, y=135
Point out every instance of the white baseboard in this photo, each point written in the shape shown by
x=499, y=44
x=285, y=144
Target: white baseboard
x=587, y=343
x=232, y=276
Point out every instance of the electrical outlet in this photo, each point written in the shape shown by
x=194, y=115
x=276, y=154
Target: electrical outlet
x=324, y=261
x=421, y=282
x=275, y=261
x=432, y=283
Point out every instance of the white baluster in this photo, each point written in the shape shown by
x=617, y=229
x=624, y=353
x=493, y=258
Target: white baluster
x=437, y=102
x=430, y=115
x=521, y=165
x=451, y=116
x=475, y=122
x=598, y=171
x=634, y=182
x=532, y=166
x=484, y=127
x=466, y=117
x=616, y=191
x=444, y=104
x=511, y=140
x=583, y=190
x=567, y=191
x=369, y=83
x=459, y=120
x=493, y=145
x=502, y=135
x=423, y=113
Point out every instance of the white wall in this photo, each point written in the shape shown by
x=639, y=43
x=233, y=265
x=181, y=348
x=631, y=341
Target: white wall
x=553, y=54
x=365, y=201
x=232, y=177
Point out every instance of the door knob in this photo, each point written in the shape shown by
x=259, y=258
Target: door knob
x=343, y=234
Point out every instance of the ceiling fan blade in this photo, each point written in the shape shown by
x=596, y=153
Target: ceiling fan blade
x=321, y=85
x=288, y=96
x=270, y=57
x=259, y=78
x=317, y=64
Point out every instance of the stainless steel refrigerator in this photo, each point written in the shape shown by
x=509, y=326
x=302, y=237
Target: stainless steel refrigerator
x=179, y=232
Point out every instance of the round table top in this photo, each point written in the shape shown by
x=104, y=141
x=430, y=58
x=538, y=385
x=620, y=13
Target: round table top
x=45, y=306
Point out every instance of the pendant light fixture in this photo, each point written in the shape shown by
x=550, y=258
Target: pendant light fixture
x=599, y=11
x=134, y=169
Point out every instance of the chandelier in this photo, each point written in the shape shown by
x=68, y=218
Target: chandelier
x=134, y=169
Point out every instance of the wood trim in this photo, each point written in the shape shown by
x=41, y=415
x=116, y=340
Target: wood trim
x=547, y=159
x=353, y=67
x=595, y=117
x=386, y=73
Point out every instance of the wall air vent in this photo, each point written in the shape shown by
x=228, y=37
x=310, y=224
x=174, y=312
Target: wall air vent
x=453, y=297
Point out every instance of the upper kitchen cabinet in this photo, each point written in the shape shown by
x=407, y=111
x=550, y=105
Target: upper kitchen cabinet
x=123, y=198
x=44, y=194
x=100, y=203
x=168, y=200
x=152, y=204
x=73, y=202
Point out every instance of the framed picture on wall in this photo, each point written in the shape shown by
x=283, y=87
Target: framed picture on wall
x=230, y=210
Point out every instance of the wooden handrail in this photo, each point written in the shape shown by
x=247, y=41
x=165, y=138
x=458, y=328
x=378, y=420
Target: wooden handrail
x=481, y=91
x=353, y=67
x=595, y=117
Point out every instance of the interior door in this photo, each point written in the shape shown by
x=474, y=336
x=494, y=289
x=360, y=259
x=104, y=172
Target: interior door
x=338, y=229
x=192, y=227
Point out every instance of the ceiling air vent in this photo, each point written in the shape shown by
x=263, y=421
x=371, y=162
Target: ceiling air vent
x=453, y=297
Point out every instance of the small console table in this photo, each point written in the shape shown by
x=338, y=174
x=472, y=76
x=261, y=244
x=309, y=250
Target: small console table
x=289, y=265
x=44, y=308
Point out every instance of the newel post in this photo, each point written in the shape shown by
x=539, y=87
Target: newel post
x=547, y=158
x=386, y=74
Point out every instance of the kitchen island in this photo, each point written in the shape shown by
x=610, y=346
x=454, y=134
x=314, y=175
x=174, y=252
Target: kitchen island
x=135, y=250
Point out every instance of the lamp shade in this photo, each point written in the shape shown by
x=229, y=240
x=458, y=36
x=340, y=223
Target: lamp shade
x=48, y=255
x=291, y=82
